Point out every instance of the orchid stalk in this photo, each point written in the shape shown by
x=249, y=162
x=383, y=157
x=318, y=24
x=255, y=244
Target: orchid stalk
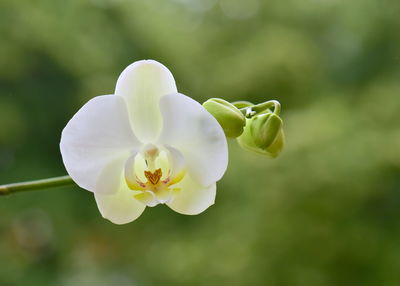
x=36, y=185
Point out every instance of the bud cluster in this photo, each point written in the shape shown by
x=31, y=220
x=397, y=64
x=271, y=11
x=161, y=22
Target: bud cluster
x=257, y=128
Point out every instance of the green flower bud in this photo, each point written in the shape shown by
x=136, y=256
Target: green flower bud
x=263, y=134
x=264, y=129
x=228, y=116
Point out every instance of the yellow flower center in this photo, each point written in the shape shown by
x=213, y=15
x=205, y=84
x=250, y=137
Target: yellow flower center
x=152, y=173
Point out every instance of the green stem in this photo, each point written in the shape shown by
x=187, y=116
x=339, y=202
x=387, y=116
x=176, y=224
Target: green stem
x=269, y=104
x=256, y=109
x=35, y=185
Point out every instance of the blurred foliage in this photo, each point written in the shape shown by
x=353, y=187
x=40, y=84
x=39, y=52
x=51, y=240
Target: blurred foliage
x=326, y=212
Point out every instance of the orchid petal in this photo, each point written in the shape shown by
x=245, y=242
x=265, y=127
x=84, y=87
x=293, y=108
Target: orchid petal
x=121, y=207
x=96, y=142
x=191, y=129
x=192, y=198
x=143, y=83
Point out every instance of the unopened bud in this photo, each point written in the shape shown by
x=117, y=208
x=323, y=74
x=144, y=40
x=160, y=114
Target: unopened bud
x=263, y=134
x=265, y=128
x=228, y=116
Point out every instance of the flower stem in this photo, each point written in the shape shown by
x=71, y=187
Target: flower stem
x=35, y=185
x=250, y=111
x=269, y=104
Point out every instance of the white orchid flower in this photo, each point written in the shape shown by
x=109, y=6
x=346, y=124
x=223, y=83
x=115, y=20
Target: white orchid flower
x=145, y=145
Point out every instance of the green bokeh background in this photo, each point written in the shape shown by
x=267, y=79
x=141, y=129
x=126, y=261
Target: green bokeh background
x=326, y=212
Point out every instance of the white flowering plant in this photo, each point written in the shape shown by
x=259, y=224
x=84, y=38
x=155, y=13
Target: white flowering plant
x=147, y=144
